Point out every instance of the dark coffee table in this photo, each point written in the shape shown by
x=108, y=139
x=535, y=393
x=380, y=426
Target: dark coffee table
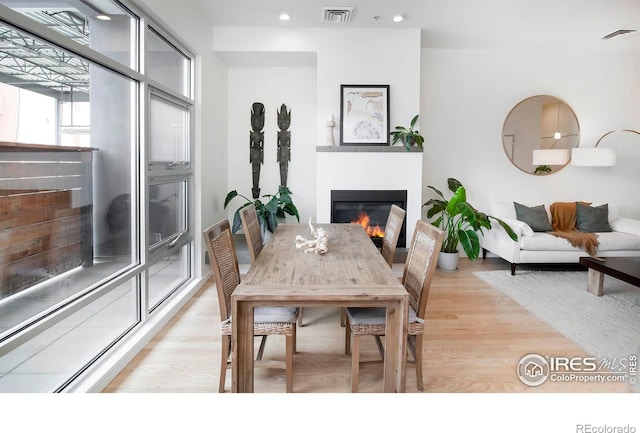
x=626, y=269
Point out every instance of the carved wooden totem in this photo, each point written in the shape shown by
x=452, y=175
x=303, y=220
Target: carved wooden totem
x=284, y=143
x=256, y=145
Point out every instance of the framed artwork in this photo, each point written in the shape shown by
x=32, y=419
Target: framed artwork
x=364, y=112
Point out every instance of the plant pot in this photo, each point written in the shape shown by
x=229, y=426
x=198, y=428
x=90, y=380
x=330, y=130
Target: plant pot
x=448, y=262
x=266, y=234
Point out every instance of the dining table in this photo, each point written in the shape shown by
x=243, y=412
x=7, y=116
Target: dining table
x=351, y=273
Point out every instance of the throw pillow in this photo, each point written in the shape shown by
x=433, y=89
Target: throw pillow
x=536, y=217
x=525, y=229
x=592, y=219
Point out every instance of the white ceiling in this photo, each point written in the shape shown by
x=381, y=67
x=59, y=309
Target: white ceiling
x=454, y=23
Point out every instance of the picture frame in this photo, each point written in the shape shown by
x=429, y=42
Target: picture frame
x=364, y=115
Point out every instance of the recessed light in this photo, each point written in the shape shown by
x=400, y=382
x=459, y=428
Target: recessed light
x=103, y=17
x=284, y=16
x=398, y=18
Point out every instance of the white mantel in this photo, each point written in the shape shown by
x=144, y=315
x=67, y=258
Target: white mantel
x=369, y=168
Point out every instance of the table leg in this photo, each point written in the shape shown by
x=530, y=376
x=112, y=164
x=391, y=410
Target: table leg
x=595, y=281
x=242, y=346
x=396, y=350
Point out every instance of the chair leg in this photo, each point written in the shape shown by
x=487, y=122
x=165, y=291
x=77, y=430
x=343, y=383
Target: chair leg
x=343, y=317
x=224, y=356
x=263, y=343
x=290, y=342
x=347, y=339
x=355, y=363
x=418, y=359
x=300, y=317
x=380, y=346
x=295, y=339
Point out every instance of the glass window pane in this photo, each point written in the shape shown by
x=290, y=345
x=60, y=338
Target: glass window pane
x=66, y=215
x=168, y=130
x=46, y=361
x=167, y=204
x=166, y=64
x=100, y=24
x=168, y=274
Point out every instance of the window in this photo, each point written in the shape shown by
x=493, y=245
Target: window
x=98, y=220
x=169, y=132
x=167, y=64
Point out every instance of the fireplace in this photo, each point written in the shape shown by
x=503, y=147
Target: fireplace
x=370, y=208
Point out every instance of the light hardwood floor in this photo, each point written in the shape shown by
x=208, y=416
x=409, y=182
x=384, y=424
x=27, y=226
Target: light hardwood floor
x=474, y=338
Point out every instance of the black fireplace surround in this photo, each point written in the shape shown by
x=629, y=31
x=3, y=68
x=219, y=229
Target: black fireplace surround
x=348, y=205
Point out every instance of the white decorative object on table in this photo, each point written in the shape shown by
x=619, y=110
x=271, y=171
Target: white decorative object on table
x=330, y=124
x=318, y=245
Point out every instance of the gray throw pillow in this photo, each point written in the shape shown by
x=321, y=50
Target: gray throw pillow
x=535, y=216
x=591, y=219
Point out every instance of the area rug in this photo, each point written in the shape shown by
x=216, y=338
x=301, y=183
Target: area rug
x=604, y=327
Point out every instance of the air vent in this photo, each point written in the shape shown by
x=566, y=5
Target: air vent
x=618, y=32
x=337, y=14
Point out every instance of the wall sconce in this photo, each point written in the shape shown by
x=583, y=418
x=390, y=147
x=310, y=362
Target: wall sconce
x=550, y=156
x=593, y=156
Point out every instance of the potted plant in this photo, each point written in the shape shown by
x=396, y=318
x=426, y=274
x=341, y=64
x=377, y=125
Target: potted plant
x=408, y=136
x=542, y=169
x=276, y=206
x=461, y=223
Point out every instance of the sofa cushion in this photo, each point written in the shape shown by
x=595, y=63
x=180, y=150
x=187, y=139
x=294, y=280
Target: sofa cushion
x=536, y=217
x=626, y=225
x=608, y=241
x=618, y=241
x=525, y=229
x=546, y=242
x=592, y=219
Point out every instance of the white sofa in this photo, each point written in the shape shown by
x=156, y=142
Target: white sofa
x=541, y=247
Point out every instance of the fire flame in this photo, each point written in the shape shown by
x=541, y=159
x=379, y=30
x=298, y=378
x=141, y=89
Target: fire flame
x=363, y=220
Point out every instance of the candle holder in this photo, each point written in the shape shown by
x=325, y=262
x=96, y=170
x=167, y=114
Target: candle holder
x=330, y=125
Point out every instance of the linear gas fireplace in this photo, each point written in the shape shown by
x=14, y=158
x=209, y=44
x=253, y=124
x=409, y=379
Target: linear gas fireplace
x=370, y=208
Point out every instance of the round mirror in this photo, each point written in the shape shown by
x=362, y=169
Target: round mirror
x=539, y=133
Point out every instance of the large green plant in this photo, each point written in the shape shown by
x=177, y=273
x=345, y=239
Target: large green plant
x=408, y=136
x=276, y=206
x=460, y=220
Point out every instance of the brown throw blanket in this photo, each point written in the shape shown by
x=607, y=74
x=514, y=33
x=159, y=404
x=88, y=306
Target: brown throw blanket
x=563, y=221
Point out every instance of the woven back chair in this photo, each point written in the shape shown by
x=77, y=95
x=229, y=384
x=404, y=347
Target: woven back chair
x=418, y=272
x=252, y=233
x=267, y=320
x=392, y=233
x=389, y=242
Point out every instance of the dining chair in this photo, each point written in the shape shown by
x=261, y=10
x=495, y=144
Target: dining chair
x=392, y=233
x=418, y=272
x=253, y=235
x=389, y=241
x=267, y=320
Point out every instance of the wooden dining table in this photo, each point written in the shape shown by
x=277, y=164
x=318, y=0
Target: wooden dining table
x=352, y=273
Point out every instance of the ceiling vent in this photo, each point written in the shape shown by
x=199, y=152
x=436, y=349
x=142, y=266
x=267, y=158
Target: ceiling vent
x=619, y=32
x=337, y=14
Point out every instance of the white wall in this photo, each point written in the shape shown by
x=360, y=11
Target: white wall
x=357, y=56
x=467, y=94
x=273, y=86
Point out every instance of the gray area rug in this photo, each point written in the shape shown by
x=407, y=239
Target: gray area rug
x=604, y=327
